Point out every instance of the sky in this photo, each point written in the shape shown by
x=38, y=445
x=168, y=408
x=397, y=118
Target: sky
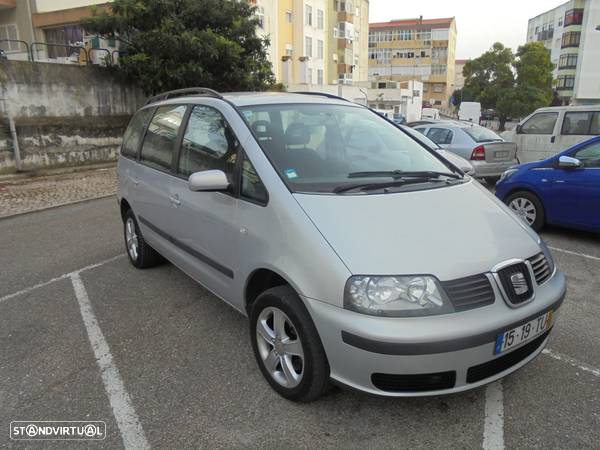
x=479, y=23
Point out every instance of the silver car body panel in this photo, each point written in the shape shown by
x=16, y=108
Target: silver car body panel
x=316, y=242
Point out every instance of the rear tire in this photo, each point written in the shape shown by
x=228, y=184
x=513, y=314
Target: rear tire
x=291, y=355
x=141, y=255
x=528, y=207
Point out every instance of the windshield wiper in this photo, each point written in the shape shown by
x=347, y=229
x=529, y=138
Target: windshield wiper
x=383, y=185
x=401, y=174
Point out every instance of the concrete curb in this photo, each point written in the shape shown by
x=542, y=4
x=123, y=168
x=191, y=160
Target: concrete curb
x=59, y=205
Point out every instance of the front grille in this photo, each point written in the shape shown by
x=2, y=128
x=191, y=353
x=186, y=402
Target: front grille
x=470, y=292
x=516, y=282
x=541, y=268
x=420, y=382
x=495, y=366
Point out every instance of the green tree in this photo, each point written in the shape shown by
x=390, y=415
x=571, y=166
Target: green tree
x=534, y=78
x=490, y=80
x=171, y=44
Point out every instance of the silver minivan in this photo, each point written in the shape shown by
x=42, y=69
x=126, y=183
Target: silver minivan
x=334, y=249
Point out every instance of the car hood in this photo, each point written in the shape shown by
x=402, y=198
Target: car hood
x=449, y=232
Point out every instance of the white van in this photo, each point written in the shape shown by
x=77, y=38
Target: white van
x=430, y=113
x=469, y=112
x=550, y=130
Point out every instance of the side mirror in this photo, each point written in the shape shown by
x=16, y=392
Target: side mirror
x=208, y=180
x=519, y=129
x=567, y=162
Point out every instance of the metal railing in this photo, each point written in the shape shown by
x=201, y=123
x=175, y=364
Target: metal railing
x=59, y=53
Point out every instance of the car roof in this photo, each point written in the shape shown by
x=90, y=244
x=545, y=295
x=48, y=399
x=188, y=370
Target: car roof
x=595, y=107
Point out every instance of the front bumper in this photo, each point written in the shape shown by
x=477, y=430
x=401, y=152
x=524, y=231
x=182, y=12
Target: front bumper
x=435, y=355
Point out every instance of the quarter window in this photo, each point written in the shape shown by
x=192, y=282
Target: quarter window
x=135, y=133
x=541, y=123
x=208, y=143
x=577, y=123
x=159, y=143
x=252, y=187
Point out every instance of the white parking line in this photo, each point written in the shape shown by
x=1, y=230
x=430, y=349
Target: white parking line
x=572, y=361
x=493, y=427
x=127, y=420
x=569, y=252
x=60, y=277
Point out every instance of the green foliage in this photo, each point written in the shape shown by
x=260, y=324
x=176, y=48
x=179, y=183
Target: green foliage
x=513, y=85
x=172, y=44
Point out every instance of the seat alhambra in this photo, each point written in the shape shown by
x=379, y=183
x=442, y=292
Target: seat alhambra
x=373, y=263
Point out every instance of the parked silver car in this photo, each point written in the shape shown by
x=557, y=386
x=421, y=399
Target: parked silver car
x=490, y=154
x=333, y=248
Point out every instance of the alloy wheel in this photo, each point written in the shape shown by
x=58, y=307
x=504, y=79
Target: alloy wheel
x=524, y=209
x=280, y=347
x=131, y=239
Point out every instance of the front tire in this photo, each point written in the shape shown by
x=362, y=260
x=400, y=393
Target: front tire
x=528, y=207
x=141, y=255
x=287, y=346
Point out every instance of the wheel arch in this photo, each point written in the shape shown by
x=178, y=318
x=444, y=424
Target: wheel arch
x=259, y=281
x=124, y=207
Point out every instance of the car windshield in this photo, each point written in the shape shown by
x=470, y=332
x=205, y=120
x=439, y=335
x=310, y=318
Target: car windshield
x=325, y=148
x=481, y=134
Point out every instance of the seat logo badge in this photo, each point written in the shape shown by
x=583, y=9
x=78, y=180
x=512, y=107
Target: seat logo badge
x=519, y=283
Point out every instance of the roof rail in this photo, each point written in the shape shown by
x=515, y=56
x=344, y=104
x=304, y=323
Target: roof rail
x=322, y=94
x=195, y=91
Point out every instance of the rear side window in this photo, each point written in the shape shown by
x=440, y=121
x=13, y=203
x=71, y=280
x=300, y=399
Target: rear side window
x=595, y=126
x=159, y=143
x=481, y=134
x=135, y=133
x=581, y=123
x=440, y=135
x=208, y=143
x=540, y=123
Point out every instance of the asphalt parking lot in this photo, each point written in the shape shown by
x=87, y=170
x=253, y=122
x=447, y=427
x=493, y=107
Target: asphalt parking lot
x=85, y=336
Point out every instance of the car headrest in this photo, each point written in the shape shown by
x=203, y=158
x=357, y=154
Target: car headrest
x=297, y=134
x=263, y=130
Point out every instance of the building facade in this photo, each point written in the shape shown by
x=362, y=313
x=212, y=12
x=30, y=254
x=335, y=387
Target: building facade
x=569, y=33
x=459, y=79
x=415, y=49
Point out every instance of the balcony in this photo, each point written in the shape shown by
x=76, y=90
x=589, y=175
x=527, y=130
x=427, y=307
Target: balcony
x=344, y=68
x=344, y=16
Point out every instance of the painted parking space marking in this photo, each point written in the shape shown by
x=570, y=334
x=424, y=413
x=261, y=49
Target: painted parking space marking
x=127, y=420
x=493, y=427
x=572, y=361
x=60, y=277
x=570, y=252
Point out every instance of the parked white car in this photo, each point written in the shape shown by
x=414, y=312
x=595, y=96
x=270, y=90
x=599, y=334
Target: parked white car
x=550, y=130
x=430, y=113
x=470, y=111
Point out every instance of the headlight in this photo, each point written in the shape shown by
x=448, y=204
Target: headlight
x=507, y=174
x=547, y=254
x=399, y=296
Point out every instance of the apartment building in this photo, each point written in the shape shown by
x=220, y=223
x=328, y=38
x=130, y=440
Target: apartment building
x=318, y=41
x=570, y=33
x=459, y=79
x=52, y=24
x=415, y=49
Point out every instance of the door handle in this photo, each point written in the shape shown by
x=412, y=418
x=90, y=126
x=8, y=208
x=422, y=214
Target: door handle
x=552, y=139
x=175, y=200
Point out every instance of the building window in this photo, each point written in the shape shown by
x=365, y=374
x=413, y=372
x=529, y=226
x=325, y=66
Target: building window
x=438, y=88
x=319, y=76
x=320, y=21
x=573, y=17
x=288, y=50
x=308, y=45
x=570, y=39
x=308, y=15
x=565, y=82
x=560, y=22
x=320, y=49
x=63, y=37
x=438, y=69
x=309, y=75
x=288, y=16
x=260, y=14
x=9, y=32
x=568, y=61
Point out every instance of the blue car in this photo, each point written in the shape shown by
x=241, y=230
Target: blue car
x=563, y=190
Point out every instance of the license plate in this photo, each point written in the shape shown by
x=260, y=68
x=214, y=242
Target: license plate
x=501, y=154
x=523, y=333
